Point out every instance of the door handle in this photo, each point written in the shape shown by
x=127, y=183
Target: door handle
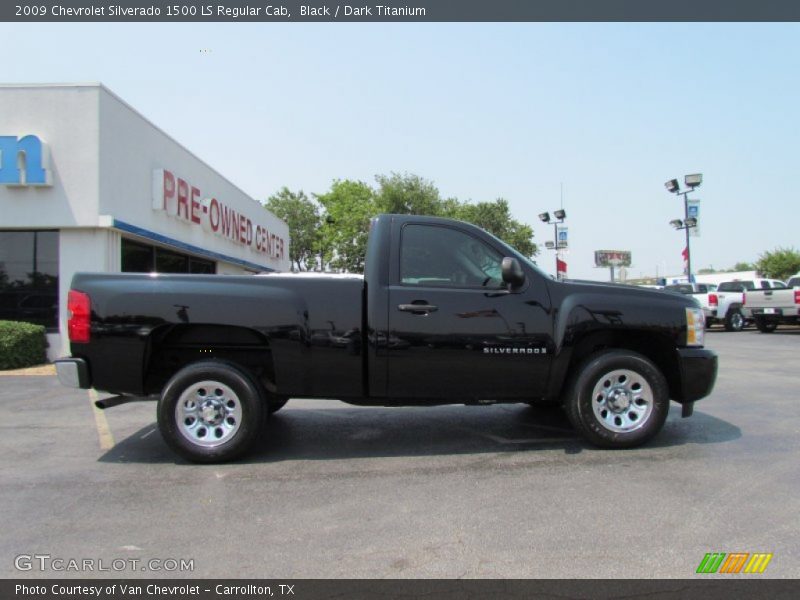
x=418, y=309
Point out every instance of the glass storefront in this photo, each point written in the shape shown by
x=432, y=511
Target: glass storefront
x=144, y=258
x=29, y=277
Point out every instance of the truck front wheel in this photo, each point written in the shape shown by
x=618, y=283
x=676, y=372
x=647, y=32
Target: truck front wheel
x=210, y=412
x=617, y=399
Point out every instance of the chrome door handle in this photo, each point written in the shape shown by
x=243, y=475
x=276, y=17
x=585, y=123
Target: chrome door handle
x=417, y=309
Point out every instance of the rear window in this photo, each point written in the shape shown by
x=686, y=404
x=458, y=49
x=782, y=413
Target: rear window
x=736, y=286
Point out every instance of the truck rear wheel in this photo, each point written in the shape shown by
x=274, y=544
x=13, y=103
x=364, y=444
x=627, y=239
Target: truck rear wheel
x=617, y=399
x=210, y=412
x=765, y=326
x=734, y=319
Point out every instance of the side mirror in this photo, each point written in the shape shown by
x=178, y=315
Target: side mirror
x=512, y=271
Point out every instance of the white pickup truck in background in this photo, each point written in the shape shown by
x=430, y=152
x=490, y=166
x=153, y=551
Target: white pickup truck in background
x=702, y=292
x=771, y=307
x=731, y=309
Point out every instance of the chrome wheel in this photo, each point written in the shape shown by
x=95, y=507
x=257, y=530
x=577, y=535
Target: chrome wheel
x=622, y=400
x=737, y=321
x=208, y=413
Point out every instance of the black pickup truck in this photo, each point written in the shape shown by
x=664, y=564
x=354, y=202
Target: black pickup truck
x=445, y=313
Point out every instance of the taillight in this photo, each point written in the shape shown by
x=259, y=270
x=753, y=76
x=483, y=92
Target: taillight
x=797, y=296
x=79, y=309
x=713, y=300
x=744, y=298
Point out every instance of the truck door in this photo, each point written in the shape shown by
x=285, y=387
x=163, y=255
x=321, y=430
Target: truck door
x=455, y=331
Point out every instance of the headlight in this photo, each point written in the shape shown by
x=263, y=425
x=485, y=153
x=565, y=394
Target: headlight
x=695, y=326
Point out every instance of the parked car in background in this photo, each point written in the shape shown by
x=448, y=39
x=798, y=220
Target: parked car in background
x=776, y=305
x=702, y=292
x=731, y=311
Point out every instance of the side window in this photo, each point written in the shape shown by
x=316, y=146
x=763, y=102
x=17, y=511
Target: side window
x=440, y=256
x=778, y=285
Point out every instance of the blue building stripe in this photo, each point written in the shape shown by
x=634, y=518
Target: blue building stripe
x=163, y=239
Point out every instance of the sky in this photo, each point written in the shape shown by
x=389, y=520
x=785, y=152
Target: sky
x=598, y=115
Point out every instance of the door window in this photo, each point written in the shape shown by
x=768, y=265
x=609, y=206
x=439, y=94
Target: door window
x=444, y=257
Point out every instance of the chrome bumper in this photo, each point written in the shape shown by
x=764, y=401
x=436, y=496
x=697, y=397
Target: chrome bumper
x=73, y=372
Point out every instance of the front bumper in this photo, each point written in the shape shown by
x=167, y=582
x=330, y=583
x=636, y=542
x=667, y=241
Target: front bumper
x=73, y=372
x=698, y=367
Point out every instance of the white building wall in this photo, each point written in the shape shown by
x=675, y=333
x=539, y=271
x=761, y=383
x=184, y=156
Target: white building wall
x=102, y=155
x=66, y=119
x=132, y=149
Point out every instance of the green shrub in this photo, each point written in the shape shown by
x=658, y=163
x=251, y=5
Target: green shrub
x=21, y=345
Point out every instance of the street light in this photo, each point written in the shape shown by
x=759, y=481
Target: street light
x=691, y=181
x=559, y=215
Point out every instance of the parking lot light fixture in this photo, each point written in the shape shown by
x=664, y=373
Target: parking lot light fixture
x=559, y=215
x=693, y=180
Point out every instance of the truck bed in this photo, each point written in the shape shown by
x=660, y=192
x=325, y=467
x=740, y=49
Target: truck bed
x=297, y=329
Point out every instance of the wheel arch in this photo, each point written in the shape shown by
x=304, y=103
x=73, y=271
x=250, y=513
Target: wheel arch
x=171, y=348
x=659, y=349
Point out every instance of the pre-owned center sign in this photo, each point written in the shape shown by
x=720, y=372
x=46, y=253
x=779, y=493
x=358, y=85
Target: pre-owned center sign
x=180, y=199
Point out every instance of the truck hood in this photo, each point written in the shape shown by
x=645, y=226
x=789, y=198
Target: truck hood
x=572, y=286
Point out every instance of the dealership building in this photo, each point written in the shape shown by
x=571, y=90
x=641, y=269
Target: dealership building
x=88, y=184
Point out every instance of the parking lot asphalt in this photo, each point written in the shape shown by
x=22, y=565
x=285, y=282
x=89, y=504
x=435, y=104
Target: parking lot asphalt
x=457, y=491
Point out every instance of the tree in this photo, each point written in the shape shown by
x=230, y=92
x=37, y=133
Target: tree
x=349, y=206
x=302, y=217
x=742, y=266
x=407, y=194
x=781, y=263
x=495, y=217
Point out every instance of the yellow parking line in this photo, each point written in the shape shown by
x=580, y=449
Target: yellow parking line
x=103, y=430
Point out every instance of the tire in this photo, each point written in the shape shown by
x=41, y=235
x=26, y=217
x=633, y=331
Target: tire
x=734, y=319
x=276, y=405
x=610, y=419
x=765, y=326
x=211, y=412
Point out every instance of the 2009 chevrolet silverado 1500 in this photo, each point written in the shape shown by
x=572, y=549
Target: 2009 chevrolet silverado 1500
x=445, y=313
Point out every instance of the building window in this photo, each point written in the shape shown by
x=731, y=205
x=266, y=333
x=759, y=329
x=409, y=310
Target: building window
x=144, y=258
x=29, y=277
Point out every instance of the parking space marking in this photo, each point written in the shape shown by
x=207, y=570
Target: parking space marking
x=100, y=421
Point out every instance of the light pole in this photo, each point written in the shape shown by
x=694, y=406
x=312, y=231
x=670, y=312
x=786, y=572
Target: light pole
x=560, y=215
x=691, y=181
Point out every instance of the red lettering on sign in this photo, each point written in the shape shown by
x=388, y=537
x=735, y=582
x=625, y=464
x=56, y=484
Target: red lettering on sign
x=195, y=205
x=168, y=189
x=213, y=215
x=183, y=199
